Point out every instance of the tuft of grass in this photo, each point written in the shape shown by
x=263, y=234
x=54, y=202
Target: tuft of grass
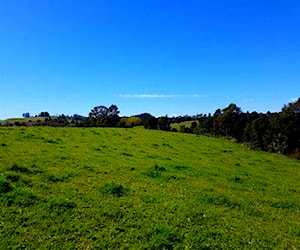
x=238, y=179
x=217, y=199
x=180, y=167
x=13, y=177
x=114, y=189
x=59, y=206
x=5, y=186
x=53, y=178
x=16, y=168
x=127, y=154
x=284, y=205
x=155, y=172
x=24, y=199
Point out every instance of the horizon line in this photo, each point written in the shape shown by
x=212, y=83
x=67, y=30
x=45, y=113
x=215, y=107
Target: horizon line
x=160, y=95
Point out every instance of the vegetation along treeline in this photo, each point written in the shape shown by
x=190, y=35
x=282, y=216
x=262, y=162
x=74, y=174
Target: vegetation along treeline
x=277, y=132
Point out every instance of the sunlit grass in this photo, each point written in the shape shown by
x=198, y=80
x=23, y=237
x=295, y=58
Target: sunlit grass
x=65, y=188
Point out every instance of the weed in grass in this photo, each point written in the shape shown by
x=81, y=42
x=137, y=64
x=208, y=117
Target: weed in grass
x=173, y=177
x=217, y=199
x=13, y=177
x=5, y=186
x=127, y=154
x=22, y=198
x=16, y=168
x=59, y=206
x=151, y=156
x=112, y=213
x=158, y=168
x=150, y=199
x=251, y=210
x=155, y=172
x=238, y=179
x=53, y=178
x=51, y=141
x=180, y=167
x=283, y=205
x=89, y=168
x=162, y=237
x=114, y=189
x=295, y=231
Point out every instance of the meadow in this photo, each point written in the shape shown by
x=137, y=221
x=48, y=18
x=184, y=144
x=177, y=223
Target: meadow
x=113, y=188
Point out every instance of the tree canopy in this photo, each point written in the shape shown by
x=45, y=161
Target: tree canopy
x=101, y=116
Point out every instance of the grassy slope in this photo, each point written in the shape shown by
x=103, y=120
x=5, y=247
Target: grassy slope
x=134, y=188
x=12, y=120
x=187, y=124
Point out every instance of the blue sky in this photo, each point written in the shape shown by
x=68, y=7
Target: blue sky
x=162, y=57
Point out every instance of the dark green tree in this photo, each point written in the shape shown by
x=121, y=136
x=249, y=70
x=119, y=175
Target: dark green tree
x=98, y=116
x=44, y=114
x=102, y=116
x=113, y=118
x=229, y=122
x=151, y=123
x=205, y=124
x=164, y=123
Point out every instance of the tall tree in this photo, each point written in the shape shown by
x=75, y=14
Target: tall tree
x=102, y=116
x=98, y=116
x=112, y=116
x=151, y=123
x=164, y=123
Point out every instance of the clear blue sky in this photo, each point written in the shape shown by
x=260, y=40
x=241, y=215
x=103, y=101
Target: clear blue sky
x=162, y=57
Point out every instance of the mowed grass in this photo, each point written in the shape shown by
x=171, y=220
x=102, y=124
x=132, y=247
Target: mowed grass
x=112, y=188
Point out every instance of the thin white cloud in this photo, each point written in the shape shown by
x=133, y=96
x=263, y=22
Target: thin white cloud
x=158, y=96
x=294, y=99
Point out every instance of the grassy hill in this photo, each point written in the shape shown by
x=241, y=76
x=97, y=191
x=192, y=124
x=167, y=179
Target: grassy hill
x=65, y=188
x=13, y=120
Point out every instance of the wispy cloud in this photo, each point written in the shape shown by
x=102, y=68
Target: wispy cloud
x=294, y=99
x=159, y=96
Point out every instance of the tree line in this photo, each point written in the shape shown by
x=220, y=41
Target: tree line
x=277, y=132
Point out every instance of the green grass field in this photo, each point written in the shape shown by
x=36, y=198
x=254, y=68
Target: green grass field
x=187, y=124
x=112, y=188
x=13, y=120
